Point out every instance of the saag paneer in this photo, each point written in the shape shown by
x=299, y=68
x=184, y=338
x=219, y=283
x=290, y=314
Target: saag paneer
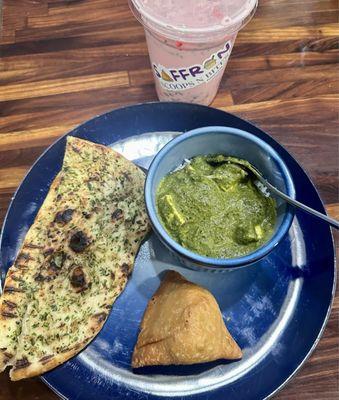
x=212, y=207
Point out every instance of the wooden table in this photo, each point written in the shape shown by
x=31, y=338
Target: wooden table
x=66, y=61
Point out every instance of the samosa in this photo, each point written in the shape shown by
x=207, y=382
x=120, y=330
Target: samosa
x=182, y=324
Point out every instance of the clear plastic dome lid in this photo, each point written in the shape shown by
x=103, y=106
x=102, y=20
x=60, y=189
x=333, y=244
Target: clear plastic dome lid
x=193, y=18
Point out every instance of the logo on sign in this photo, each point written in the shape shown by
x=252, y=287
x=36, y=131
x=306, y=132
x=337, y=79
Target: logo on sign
x=189, y=77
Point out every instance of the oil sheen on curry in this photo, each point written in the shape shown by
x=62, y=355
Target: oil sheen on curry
x=212, y=207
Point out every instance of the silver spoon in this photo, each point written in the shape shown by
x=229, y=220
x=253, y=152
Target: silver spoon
x=249, y=168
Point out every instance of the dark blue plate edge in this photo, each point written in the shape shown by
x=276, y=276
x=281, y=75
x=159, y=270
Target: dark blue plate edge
x=292, y=375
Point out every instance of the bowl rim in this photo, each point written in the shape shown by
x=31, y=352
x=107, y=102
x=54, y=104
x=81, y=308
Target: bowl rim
x=211, y=261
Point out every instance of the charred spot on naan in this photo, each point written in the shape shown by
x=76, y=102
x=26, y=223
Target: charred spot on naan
x=53, y=264
x=117, y=215
x=46, y=359
x=24, y=257
x=64, y=217
x=12, y=289
x=32, y=246
x=8, y=314
x=98, y=320
x=100, y=317
x=78, y=280
x=10, y=304
x=48, y=251
x=8, y=355
x=86, y=214
x=126, y=269
x=21, y=267
x=38, y=277
x=79, y=241
x=22, y=363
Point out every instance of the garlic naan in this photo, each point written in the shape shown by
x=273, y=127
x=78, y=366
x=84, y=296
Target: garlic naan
x=75, y=260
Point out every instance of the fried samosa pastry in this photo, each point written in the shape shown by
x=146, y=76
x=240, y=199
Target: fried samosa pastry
x=182, y=324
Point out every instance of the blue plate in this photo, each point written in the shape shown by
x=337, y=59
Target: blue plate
x=276, y=310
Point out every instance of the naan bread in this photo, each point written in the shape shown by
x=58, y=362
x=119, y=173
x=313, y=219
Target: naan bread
x=182, y=324
x=75, y=260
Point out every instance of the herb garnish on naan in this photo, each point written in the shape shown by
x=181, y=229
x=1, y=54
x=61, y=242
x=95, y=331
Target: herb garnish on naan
x=75, y=260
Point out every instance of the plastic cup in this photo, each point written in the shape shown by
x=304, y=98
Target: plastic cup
x=189, y=43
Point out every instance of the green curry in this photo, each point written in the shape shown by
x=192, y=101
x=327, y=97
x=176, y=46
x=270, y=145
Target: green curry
x=212, y=207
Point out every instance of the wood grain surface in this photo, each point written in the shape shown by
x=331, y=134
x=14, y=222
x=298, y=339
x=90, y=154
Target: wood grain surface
x=63, y=62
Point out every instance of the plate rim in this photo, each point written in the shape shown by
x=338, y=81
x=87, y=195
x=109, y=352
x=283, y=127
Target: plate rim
x=157, y=103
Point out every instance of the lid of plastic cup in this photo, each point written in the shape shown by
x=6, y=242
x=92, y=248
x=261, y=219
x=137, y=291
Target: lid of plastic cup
x=194, y=19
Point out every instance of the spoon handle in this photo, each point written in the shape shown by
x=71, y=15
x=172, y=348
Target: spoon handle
x=296, y=203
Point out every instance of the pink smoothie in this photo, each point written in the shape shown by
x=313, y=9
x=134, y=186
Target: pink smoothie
x=189, y=43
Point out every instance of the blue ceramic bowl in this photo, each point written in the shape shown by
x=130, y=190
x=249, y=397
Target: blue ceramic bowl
x=228, y=141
